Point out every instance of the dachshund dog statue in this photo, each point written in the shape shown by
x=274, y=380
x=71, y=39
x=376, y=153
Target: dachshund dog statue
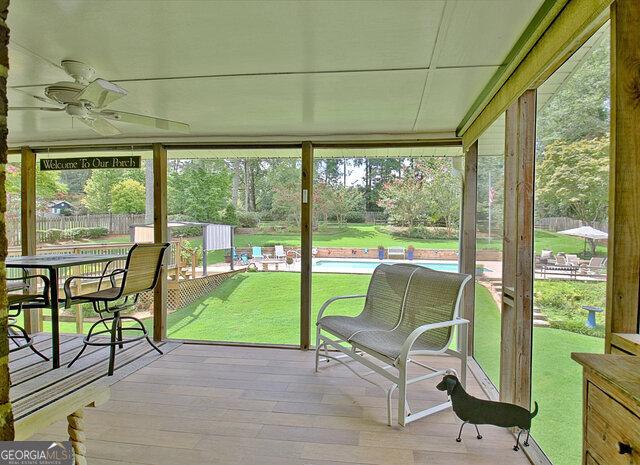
x=485, y=412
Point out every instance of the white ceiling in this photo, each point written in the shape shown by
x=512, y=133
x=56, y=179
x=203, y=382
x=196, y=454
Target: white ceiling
x=264, y=69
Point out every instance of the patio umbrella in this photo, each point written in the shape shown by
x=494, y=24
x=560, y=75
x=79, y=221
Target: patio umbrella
x=588, y=233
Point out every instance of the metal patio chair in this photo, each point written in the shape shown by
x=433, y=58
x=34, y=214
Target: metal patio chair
x=409, y=310
x=21, y=296
x=140, y=274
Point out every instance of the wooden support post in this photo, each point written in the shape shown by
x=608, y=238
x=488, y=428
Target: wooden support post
x=623, y=274
x=517, y=259
x=32, y=318
x=468, y=237
x=306, y=238
x=160, y=235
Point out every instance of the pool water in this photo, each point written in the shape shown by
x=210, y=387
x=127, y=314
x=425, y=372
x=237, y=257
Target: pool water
x=349, y=265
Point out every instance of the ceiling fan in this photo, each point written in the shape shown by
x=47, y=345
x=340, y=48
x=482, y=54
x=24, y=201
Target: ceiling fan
x=87, y=98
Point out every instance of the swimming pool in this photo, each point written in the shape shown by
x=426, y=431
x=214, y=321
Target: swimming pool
x=364, y=266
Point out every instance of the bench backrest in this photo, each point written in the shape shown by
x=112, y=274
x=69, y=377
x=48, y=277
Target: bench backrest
x=405, y=296
x=386, y=294
x=395, y=250
x=432, y=297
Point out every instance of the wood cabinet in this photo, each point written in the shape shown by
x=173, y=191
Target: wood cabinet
x=611, y=413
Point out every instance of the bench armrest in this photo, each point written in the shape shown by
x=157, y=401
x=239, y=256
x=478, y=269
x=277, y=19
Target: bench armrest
x=416, y=333
x=334, y=299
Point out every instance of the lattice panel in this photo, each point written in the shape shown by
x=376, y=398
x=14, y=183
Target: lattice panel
x=188, y=291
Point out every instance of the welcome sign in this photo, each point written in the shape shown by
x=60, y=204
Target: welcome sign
x=88, y=163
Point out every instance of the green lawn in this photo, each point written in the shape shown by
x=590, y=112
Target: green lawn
x=261, y=307
x=557, y=380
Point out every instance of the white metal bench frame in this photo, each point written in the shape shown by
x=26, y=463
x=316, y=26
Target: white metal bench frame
x=396, y=370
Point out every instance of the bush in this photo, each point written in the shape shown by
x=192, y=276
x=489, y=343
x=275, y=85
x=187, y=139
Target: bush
x=51, y=235
x=95, y=233
x=187, y=231
x=355, y=217
x=562, y=303
x=55, y=235
x=72, y=234
x=419, y=232
x=247, y=219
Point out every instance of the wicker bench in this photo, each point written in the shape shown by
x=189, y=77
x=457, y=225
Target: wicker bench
x=408, y=311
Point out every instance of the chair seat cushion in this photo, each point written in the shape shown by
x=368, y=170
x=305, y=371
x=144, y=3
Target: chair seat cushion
x=387, y=343
x=346, y=326
x=105, y=294
x=14, y=299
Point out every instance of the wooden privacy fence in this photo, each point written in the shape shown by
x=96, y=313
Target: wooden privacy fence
x=115, y=224
x=561, y=223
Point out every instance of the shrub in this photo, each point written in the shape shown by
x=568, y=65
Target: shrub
x=56, y=235
x=247, y=219
x=72, y=234
x=355, y=217
x=187, y=231
x=562, y=303
x=95, y=233
x=420, y=232
x=51, y=235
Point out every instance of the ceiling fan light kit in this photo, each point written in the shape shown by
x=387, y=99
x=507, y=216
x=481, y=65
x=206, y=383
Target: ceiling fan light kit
x=88, y=97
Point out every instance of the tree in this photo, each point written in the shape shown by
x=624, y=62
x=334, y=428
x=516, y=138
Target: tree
x=580, y=109
x=48, y=185
x=572, y=180
x=405, y=200
x=443, y=187
x=286, y=202
x=200, y=190
x=98, y=188
x=128, y=196
x=345, y=200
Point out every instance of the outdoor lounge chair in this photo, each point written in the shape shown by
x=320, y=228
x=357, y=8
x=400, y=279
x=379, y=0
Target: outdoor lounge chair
x=409, y=310
x=573, y=260
x=396, y=252
x=21, y=297
x=279, y=252
x=595, y=265
x=141, y=273
x=256, y=253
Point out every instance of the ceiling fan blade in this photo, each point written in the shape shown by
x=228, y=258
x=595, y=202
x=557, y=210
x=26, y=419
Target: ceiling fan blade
x=37, y=108
x=144, y=120
x=101, y=93
x=101, y=126
x=37, y=97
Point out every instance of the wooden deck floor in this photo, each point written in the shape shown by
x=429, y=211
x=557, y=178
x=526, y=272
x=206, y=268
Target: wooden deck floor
x=247, y=406
x=34, y=382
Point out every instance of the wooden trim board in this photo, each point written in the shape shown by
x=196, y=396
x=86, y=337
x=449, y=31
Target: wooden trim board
x=468, y=237
x=306, y=240
x=623, y=274
x=160, y=235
